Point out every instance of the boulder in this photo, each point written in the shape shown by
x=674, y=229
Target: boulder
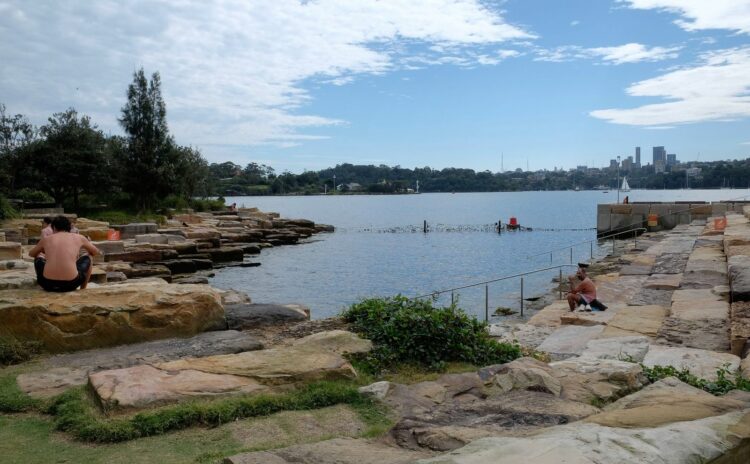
x=11, y=250
x=588, y=380
x=569, y=340
x=225, y=254
x=136, y=255
x=18, y=279
x=180, y=266
x=334, y=341
x=739, y=332
x=527, y=374
x=253, y=315
x=110, y=246
x=109, y=315
x=701, y=363
x=664, y=402
x=739, y=277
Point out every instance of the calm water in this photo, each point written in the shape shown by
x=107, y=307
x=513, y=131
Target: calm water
x=331, y=271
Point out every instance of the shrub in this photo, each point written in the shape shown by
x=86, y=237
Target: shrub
x=33, y=196
x=13, y=351
x=413, y=331
x=725, y=382
x=6, y=209
x=201, y=205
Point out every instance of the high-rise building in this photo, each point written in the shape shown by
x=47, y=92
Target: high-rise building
x=638, y=157
x=671, y=159
x=660, y=166
x=660, y=154
x=613, y=164
x=627, y=163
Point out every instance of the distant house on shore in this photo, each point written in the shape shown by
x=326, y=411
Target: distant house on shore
x=350, y=187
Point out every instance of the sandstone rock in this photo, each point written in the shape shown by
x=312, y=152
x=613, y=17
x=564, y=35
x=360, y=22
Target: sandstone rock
x=109, y=315
x=131, y=230
x=587, y=443
x=10, y=250
x=739, y=333
x=271, y=366
x=569, y=340
x=671, y=263
x=526, y=335
x=527, y=374
x=650, y=297
x=140, y=271
x=664, y=402
x=636, y=320
x=136, y=255
x=663, y=281
x=377, y=390
x=225, y=254
x=619, y=290
x=16, y=264
x=334, y=341
x=745, y=367
x=705, y=334
x=110, y=246
x=739, y=277
x=589, y=379
x=253, y=315
x=18, y=279
x=144, y=385
x=336, y=451
x=629, y=348
x=550, y=315
x=701, y=363
x=230, y=297
x=191, y=280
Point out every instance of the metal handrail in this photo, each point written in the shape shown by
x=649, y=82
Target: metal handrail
x=604, y=237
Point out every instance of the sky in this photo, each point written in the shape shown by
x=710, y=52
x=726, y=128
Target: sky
x=487, y=85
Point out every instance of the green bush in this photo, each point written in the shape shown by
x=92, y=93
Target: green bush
x=413, y=331
x=33, y=196
x=207, y=204
x=726, y=381
x=13, y=351
x=6, y=209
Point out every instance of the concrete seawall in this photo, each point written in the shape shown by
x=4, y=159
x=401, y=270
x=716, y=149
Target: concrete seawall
x=611, y=218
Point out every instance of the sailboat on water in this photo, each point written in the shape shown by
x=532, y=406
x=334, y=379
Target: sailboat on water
x=625, y=187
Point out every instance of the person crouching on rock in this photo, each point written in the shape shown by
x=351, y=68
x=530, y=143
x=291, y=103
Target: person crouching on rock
x=583, y=293
x=61, y=270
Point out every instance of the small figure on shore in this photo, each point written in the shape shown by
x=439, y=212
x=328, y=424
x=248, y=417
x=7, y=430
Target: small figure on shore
x=582, y=293
x=59, y=269
x=233, y=207
x=47, y=227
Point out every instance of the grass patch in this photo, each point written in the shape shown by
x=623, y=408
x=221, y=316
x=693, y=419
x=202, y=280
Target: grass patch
x=75, y=412
x=414, y=332
x=13, y=351
x=726, y=381
x=12, y=399
x=125, y=217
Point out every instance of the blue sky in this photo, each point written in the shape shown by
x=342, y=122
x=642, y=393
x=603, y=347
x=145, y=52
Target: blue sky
x=437, y=83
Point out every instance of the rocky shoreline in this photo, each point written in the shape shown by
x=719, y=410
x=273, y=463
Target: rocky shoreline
x=679, y=299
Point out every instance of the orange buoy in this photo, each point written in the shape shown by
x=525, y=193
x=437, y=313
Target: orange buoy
x=653, y=220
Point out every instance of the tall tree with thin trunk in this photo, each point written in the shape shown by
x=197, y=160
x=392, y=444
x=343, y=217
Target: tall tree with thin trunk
x=145, y=164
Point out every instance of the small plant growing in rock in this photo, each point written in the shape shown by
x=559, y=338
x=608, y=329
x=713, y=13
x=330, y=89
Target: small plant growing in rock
x=414, y=331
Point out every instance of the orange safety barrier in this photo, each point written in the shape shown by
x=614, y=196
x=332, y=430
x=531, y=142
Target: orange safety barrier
x=653, y=220
x=720, y=223
x=113, y=234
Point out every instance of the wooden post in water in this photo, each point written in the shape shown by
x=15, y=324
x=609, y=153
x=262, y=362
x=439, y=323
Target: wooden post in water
x=571, y=255
x=559, y=283
x=521, y=296
x=424, y=227
x=592, y=250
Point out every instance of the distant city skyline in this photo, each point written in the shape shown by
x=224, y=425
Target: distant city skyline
x=305, y=85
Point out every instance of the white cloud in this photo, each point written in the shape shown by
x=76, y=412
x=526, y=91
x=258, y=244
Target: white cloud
x=233, y=72
x=628, y=53
x=574, y=23
x=702, y=14
x=715, y=89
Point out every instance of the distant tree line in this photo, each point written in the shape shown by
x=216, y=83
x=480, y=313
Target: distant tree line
x=230, y=179
x=70, y=162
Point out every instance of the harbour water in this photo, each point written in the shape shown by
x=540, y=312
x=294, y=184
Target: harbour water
x=379, y=248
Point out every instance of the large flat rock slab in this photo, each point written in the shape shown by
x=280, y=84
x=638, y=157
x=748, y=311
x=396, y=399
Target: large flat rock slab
x=588, y=380
x=636, y=320
x=663, y=281
x=618, y=289
x=705, y=334
x=701, y=440
x=701, y=363
x=649, y=296
x=313, y=358
x=629, y=348
x=671, y=263
x=335, y=451
x=145, y=385
x=63, y=371
x=569, y=340
x=109, y=315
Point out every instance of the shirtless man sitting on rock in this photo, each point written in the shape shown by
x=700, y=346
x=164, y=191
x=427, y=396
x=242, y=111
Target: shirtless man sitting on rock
x=582, y=294
x=61, y=270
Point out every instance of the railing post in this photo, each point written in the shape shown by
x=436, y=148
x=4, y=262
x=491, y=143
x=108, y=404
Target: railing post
x=559, y=284
x=550, y=258
x=592, y=250
x=521, y=296
x=452, y=298
x=571, y=255
x=424, y=226
x=486, y=303
x=635, y=238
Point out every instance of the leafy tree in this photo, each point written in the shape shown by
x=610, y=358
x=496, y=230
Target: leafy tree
x=70, y=157
x=145, y=166
x=191, y=172
x=16, y=134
